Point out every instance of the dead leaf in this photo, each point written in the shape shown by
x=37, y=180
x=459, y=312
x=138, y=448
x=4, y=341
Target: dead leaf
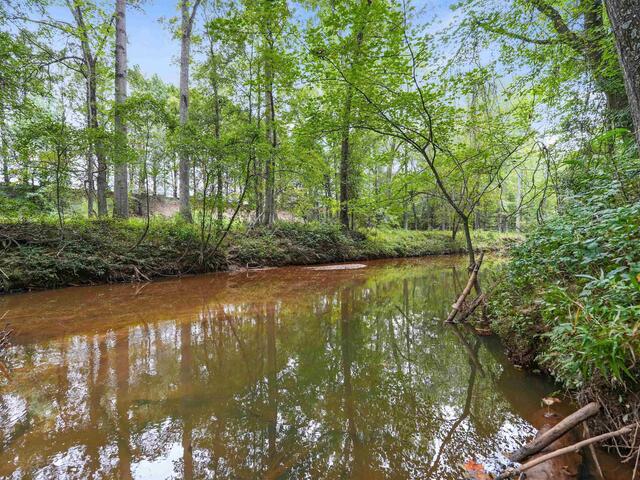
x=475, y=471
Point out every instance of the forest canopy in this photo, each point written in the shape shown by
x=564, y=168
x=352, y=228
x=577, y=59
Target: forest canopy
x=388, y=113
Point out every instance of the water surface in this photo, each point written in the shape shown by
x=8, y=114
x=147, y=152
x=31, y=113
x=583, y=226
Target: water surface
x=283, y=373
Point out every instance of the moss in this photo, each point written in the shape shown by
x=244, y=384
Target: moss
x=37, y=255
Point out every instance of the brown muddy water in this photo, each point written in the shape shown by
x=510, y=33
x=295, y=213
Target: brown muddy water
x=283, y=373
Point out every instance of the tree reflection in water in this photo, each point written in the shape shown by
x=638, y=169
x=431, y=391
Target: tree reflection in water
x=284, y=373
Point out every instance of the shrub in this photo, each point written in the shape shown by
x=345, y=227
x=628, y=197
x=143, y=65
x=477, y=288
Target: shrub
x=571, y=293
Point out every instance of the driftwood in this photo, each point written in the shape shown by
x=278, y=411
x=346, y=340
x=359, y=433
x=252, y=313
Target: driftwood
x=551, y=435
x=455, y=308
x=592, y=451
x=562, y=451
x=479, y=300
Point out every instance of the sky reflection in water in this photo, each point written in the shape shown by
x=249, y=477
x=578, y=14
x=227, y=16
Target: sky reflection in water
x=290, y=373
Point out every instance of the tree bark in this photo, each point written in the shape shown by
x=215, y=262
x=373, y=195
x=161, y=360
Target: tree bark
x=90, y=184
x=121, y=180
x=346, y=187
x=555, y=432
x=345, y=164
x=96, y=146
x=101, y=174
x=589, y=45
x=467, y=237
x=455, y=308
x=625, y=20
x=272, y=139
x=219, y=199
x=185, y=54
x=562, y=451
x=4, y=151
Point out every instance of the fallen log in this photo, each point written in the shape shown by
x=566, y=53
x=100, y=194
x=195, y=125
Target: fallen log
x=479, y=300
x=563, y=451
x=551, y=435
x=455, y=308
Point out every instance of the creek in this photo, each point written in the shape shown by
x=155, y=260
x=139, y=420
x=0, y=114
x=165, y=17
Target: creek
x=278, y=373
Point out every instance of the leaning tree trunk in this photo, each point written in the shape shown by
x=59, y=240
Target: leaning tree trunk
x=467, y=236
x=121, y=180
x=625, y=20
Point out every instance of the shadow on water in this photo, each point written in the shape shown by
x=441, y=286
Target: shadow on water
x=284, y=373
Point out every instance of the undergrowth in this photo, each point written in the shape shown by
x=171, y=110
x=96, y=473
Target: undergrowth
x=38, y=255
x=569, y=301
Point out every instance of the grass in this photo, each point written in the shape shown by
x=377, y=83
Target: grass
x=37, y=255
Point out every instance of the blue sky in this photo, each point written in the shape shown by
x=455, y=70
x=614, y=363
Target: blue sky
x=151, y=43
x=152, y=47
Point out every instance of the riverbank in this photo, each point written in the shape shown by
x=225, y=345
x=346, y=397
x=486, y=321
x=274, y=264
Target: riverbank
x=569, y=303
x=39, y=255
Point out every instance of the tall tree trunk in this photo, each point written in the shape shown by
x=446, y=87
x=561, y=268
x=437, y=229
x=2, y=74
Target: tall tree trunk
x=121, y=180
x=4, y=151
x=174, y=179
x=519, y=202
x=90, y=63
x=346, y=187
x=217, y=120
x=98, y=147
x=185, y=54
x=90, y=184
x=607, y=82
x=345, y=157
x=625, y=20
x=272, y=139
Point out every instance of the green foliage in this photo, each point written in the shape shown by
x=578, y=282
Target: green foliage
x=23, y=202
x=39, y=255
x=574, y=287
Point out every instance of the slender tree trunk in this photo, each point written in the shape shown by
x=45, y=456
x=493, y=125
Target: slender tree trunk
x=219, y=167
x=90, y=62
x=121, y=177
x=625, y=20
x=272, y=139
x=98, y=147
x=607, y=82
x=101, y=180
x=588, y=43
x=4, y=151
x=90, y=185
x=174, y=182
x=345, y=151
x=467, y=236
x=519, y=202
x=185, y=54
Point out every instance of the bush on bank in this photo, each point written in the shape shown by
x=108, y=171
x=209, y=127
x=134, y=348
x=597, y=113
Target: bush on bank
x=38, y=255
x=569, y=301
